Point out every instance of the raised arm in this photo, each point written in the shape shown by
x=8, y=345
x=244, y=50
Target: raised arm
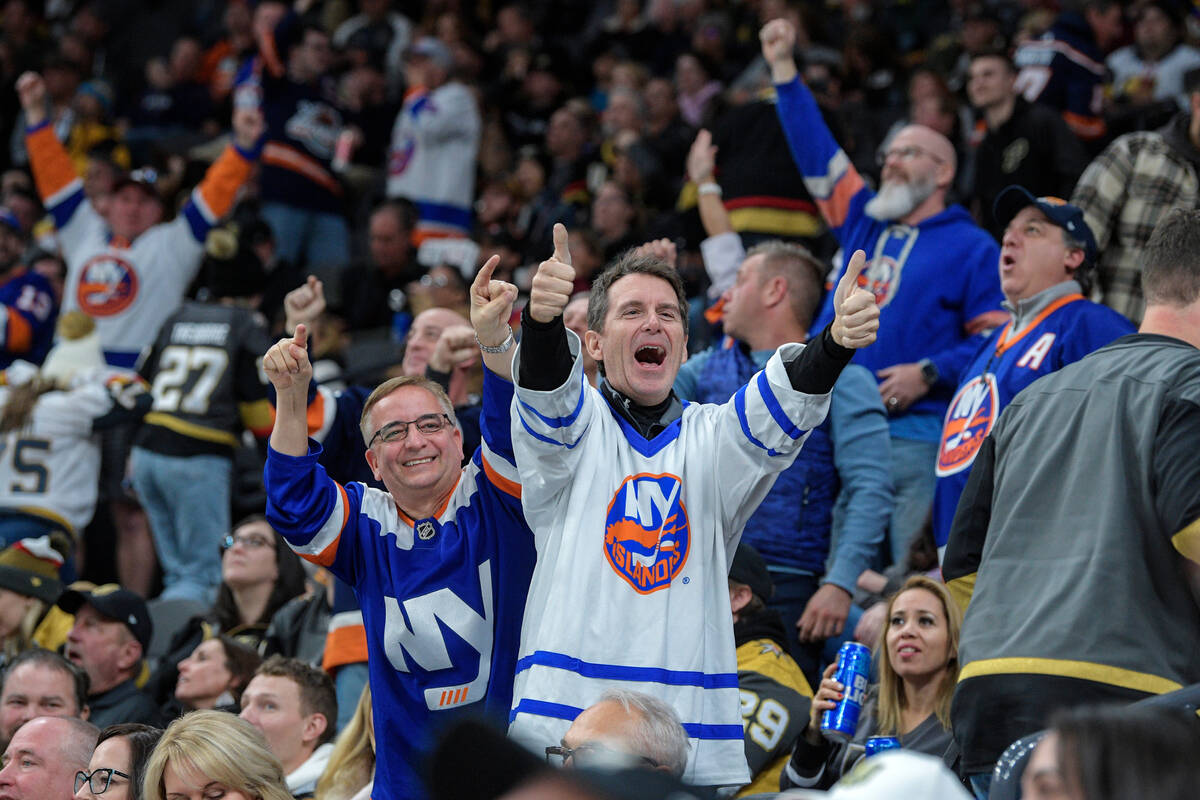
x=546, y=363
x=289, y=370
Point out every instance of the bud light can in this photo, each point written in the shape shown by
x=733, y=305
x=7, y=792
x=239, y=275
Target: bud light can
x=877, y=744
x=853, y=673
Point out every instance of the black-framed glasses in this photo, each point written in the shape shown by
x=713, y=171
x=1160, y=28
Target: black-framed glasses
x=248, y=542
x=594, y=755
x=905, y=153
x=99, y=780
x=397, y=430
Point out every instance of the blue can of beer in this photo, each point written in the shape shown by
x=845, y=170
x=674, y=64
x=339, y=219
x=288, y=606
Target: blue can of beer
x=854, y=673
x=877, y=744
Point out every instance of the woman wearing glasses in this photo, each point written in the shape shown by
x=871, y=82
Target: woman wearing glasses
x=259, y=574
x=118, y=763
x=211, y=755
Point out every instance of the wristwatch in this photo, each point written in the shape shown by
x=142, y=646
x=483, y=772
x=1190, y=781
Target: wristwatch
x=503, y=347
x=929, y=371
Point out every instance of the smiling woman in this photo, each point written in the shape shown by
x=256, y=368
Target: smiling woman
x=917, y=660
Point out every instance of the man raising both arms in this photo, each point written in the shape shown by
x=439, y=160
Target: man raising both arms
x=639, y=500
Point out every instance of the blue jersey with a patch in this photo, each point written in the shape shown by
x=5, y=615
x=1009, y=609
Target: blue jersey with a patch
x=30, y=311
x=442, y=598
x=1066, y=331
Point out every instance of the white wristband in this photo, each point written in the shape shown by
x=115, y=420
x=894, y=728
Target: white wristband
x=709, y=187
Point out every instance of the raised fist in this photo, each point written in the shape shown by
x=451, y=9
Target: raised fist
x=304, y=304
x=286, y=363
x=31, y=89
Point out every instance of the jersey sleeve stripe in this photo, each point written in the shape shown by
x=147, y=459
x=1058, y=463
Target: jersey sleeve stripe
x=557, y=422
x=619, y=672
x=53, y=171
x=320, y=414
x=777, y=413
x=986, y=321
x=504, y=483
x=547, y=439
x=695, y=730
x=739, y=404
x=822, y=186
x=346, y=643
x=322, y=548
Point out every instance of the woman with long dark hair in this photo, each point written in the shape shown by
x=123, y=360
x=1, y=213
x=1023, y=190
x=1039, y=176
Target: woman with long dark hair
x=118, y=763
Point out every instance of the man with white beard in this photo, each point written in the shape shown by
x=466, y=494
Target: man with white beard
x=932, y=269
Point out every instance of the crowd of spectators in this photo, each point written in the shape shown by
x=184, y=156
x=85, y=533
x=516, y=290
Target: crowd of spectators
x=224, y=224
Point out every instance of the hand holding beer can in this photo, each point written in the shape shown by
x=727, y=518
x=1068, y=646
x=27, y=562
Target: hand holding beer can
x=877, y=744
x=854, y=673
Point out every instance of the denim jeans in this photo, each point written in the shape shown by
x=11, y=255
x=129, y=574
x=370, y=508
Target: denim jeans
x=981, y=784
x=306, y=238
x=187, y=502
x=348, y=683
x=913, y=476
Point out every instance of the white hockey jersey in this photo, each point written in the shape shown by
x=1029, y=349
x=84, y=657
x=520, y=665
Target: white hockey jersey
x=51, y=468
x=634, y=538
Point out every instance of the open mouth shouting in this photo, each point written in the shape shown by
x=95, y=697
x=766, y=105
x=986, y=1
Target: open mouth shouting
x=650, y=355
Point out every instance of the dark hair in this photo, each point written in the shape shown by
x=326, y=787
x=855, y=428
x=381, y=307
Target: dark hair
x=51, y=659
x=630, y=263
x=403, y=211
x=996, y=53
x=317, y=695
x=290, y=583
x=1120, y=751
x=141, y=739
x=241, y=661
x=1171, y=260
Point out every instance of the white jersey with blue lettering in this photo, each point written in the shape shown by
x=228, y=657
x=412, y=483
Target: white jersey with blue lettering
x=634, y=538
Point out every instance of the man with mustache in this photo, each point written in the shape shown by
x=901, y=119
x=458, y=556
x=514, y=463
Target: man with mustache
x=932, y=270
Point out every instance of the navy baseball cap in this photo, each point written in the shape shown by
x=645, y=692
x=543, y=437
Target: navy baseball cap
x=115, y=603
x=145, y=179
x=1011, y=200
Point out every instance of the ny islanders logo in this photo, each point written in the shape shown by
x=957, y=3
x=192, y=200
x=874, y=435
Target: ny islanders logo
x=969, y=420
x=881, y=278
x=646, y=534
x=107, y=286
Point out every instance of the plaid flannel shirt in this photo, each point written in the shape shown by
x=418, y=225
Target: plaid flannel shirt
x=1124, y=192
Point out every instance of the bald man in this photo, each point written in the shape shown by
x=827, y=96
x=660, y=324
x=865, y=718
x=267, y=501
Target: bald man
x=41, y=760
x=932, y=269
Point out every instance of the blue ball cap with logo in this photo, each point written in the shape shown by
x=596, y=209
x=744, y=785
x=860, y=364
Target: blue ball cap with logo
x=1011, y=200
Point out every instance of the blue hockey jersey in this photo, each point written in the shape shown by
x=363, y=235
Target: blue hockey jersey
x=442, y=598
x=1066, y=330
x=30, y=312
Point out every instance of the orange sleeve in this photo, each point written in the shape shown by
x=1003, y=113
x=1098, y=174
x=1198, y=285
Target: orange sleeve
x=53, y=170
x=220, y=186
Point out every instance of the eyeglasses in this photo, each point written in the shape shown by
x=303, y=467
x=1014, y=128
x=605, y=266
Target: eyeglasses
x=248, y=542
x=99, y=780
x=396, y=431
x=590, y=755
x=905, y=153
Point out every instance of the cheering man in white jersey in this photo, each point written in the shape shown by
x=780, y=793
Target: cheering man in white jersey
x=637, y=500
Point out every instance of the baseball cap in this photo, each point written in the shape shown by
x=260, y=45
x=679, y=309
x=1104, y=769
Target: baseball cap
x=1066, y=216
x=30, y=567
x=115, y=603
x=891, y=774
x=749, y=568
x=434, y=50
x=145, y=178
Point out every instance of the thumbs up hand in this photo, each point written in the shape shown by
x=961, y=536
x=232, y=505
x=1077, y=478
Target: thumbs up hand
x=554, y=281
x=286, y=364
x=856, y=315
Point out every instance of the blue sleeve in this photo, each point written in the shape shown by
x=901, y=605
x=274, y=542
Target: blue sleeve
x=311, y=511
x=1091, y=331
x=861, y=442
x=982, y=310
x=688, y=378
x=495, y=420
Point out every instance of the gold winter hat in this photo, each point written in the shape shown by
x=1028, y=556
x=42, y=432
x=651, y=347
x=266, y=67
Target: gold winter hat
x=30, y=567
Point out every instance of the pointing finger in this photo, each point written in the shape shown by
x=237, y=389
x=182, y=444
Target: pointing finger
x=561, y=251
x=480, y=287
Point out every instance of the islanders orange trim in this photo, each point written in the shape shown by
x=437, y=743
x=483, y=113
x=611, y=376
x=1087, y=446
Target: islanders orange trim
x=326, y=556
x=284, y=157
x=316, y=414
x=835, y=207
x=1004, y=343
x=1084, y=126
x=19, y=333
x=344, y=646
x=220, y=186
x=52, y=167
x=511, y=488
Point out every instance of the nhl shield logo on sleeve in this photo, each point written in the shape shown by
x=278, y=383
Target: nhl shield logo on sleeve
x=646, y=533
x=969, y=420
